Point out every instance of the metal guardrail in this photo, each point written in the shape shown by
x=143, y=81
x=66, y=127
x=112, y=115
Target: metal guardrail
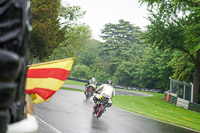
x=123, y=87
x=181, y=102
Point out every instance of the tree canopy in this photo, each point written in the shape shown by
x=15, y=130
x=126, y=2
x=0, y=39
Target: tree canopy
x=47, y=31
x=126, y=60
x=175, y=24
x=170, y=46
x=56, y=33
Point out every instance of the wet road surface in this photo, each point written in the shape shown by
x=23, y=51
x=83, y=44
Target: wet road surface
x=68, y=112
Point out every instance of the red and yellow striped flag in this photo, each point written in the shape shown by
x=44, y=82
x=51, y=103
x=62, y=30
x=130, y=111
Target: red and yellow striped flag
x=44, y=79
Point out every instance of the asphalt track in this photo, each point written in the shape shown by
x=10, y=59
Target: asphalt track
x=69, y=112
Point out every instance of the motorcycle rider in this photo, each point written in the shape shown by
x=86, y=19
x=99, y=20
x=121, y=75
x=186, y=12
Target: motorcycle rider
x=105, y=90
x=91, y=82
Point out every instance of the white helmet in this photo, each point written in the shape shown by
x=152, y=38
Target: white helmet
x=93, y=80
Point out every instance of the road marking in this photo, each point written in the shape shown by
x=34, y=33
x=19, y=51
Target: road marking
x=156, y=119
x=48, y=125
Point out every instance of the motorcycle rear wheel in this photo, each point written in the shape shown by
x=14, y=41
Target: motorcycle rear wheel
x=100, y=111
x=88, y=95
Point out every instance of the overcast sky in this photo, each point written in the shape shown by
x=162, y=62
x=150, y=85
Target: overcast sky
x=101, y=12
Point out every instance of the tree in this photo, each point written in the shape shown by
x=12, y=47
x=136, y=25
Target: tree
x=80, y=71
x=118, y=39
x=47, y=31
x=153, y=70
x=56, y=30
x=77, y=37
x=90, y=54
x=175, y=24
x=124, y=73
x=182, y=65
x=90, y=58
x=99, y=73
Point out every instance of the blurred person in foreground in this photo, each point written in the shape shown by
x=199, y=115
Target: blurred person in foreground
x=15, y=30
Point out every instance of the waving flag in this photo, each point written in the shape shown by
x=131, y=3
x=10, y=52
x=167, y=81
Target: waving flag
x=44, y=79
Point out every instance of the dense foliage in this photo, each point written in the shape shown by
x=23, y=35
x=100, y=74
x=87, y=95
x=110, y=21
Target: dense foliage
x=170, y=46
x=47, y=31
x=135, y=58
x=124, y=58
x=175, y=25
x=56, y=32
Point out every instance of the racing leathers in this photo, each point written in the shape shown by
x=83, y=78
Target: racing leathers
x=105, y=90
x=92, y=83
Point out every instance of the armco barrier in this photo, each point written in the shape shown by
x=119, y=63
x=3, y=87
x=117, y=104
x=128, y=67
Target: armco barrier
x=194, y=107
x=172, y=99
x=181, y=102
x=165, y=96
x=83, y=80
x=80, y=80
x=121, y=87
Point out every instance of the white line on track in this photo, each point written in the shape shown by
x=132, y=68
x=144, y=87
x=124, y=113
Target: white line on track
x=57, y=131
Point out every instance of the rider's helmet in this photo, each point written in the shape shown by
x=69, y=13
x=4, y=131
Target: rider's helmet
x=93, y=80
x=109, y=82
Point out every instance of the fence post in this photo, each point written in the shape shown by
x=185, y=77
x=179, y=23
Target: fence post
x=191, y=92
x=178, y=90
x=184, y=90
x=170, y=85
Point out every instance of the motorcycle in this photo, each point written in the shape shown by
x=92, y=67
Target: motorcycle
x=89, y=91
x=100, y=106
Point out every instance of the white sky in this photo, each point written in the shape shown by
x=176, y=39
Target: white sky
x=101, y=12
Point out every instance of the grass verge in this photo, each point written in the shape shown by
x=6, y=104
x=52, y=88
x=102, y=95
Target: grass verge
x=155, y=107
x=72, y=82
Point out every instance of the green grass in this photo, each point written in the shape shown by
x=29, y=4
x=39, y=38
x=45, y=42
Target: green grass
x=157, y=108
x=72, y=82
